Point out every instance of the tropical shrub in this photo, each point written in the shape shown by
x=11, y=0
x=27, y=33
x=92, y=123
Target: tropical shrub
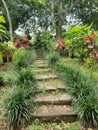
x=75, y=46
x=17, y=110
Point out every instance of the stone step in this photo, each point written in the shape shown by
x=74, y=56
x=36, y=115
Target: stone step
x=40, y=58
x=41, y=61
x=46, y=77
x=45, y=70
x=56, y=99
x=53, y=112
x=40, y=66
x=51, y=88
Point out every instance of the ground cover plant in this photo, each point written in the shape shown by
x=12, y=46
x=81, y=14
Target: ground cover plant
x=23, y=85
x=83, y=87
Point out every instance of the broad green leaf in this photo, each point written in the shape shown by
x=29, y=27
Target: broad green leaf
x=2, y=20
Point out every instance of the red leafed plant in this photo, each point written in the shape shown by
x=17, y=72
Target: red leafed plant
x=22, y=42
x=92, y=48
x=91, y=38
x=60, y=44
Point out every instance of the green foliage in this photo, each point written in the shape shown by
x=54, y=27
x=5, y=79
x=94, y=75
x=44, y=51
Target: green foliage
x=3, y=32
x=16, y=107
x=23, y=58
x=75, y=46
x=43, y=40
x=7, y=49
x=83, y=87
x=53, y=57
x=27, y=78
x=21, y=62
x=87, y=106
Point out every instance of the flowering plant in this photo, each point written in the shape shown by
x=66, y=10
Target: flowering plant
x=22, y=42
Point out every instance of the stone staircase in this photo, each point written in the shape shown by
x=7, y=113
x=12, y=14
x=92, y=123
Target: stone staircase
x=53, y=102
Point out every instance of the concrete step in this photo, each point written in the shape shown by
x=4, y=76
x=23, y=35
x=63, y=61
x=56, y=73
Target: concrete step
x=46, y=77
x=53, y=112
x=53, y=98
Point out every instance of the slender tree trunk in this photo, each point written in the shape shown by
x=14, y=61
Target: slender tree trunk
x=59, y=22
x=58, y=29
x=9, y=19
x=52, y=10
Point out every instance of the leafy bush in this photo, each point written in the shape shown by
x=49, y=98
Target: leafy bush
x=53, y=57
x=16, y=107
x=75, y=46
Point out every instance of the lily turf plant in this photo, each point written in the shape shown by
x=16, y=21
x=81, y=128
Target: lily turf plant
x=83, y=88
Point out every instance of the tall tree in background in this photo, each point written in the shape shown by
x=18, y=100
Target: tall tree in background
x=9, y=19
x=59, y=10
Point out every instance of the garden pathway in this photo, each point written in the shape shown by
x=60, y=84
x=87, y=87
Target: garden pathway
x=53, y=102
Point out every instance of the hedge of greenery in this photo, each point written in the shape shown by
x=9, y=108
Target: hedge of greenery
x=83, y=87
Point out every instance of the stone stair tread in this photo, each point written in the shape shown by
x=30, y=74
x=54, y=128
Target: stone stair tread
x=40, y=66
x=54, y=111
x=49, y=76
x=54, y=99
x=49, y=87
x=42, y=70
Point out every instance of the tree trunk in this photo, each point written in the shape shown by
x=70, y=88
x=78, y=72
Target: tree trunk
x=58, y=29
x=52, y=9
x=59, y=22
x=9, y=19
